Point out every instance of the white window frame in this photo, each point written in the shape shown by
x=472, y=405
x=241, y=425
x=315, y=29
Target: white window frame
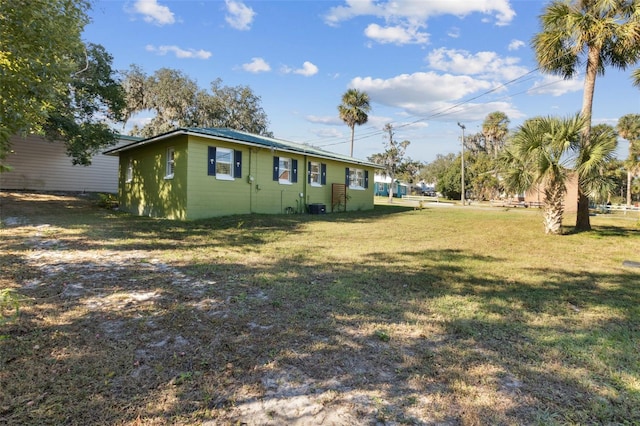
x=171, y=163
x=129, y=172
x=356, y=179
x=220, y=153
x=282, y=170
x=316, y=176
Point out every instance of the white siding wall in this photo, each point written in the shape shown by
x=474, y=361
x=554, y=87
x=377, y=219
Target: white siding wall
x=44, y=166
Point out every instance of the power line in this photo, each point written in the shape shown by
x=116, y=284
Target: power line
x=438, y=113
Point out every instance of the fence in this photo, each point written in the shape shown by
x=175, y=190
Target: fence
x=420, y=198
x=604, y=208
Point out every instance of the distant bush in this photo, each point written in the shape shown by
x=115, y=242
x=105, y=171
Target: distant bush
x=107, y=201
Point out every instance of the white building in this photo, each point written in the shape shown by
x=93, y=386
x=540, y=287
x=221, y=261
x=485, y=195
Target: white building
x=40, y=165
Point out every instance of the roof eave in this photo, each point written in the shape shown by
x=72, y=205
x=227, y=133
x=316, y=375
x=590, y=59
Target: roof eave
x=183, y=131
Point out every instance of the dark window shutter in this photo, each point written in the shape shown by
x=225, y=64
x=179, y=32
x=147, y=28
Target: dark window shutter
x=346, y=176
x=366, y=178
x=309, y=172
x=294, y=171
x=323, y=174
x=276, y=166
x=211, y=161
x=237, y=170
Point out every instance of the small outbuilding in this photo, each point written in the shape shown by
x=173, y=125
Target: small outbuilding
x=195, y=173
x=383, y=184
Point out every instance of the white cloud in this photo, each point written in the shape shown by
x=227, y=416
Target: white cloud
x=403, y=18
x=482, y=64
x=239, y=16
x=454, y=32
x=256, y=65
x=154, y=13
x=179, y=52
x=556, y=86
x=326, y=119
x=428, y=94
x=414, y=90
x=308, y=69
x=396, y=34
x=329, y=133
x=516, y=44
x=352, y=9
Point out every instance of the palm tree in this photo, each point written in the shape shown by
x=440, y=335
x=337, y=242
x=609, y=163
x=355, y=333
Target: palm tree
x=495, y=128
x=629, y=128
x=545, y=151
x=635, y=76
x=594, y=33
x=354, y=109
x=593, y=161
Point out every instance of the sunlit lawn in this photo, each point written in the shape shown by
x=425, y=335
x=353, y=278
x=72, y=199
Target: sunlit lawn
x=445, y=315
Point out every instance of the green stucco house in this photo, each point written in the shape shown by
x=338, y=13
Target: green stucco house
x=195, y=173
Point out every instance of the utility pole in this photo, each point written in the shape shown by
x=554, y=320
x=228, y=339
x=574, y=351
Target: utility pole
x=462, y=163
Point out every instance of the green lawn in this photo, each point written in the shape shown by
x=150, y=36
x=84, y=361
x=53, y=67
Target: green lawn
x=447, y=315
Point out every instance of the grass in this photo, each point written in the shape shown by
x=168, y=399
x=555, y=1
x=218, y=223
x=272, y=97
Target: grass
x=446, y=315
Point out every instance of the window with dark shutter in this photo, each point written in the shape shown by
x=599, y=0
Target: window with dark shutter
x=211, y=161
x=317, y=175
x=294, y=171
x=276, y=168
x=237, y=170
x=357, y=178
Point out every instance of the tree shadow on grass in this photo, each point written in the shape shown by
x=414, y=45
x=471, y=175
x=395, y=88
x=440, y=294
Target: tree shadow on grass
x=145, y=340
x=125, y=337
x=602, y=231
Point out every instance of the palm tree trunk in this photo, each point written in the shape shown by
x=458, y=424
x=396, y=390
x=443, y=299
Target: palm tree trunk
x=353, y=129
x=582, y=220
x=553, y=207
x=593, y=60
x=629, y=180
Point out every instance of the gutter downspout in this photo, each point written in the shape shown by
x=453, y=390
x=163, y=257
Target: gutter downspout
x=250, y=182
x=304, y=199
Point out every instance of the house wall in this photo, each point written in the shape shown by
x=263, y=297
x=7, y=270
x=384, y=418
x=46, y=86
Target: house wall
x=209, y=196
x=358, y=199
x=40, y=165
x=571, y=197
x=150, y=193
x=536, y=194
x=268, y=195
x=194, y=194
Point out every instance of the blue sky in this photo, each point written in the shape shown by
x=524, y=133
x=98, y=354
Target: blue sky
x=426, y=64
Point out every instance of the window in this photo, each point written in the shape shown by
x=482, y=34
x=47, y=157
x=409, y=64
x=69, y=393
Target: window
x=317, y=173
x=285, y=170
x=129, y=177
x=171, y=162
x=224, y=163
x=357, y=178
x=284, y=175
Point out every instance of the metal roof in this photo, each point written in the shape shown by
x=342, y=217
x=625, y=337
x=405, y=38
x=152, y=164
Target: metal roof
x=244, y=138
